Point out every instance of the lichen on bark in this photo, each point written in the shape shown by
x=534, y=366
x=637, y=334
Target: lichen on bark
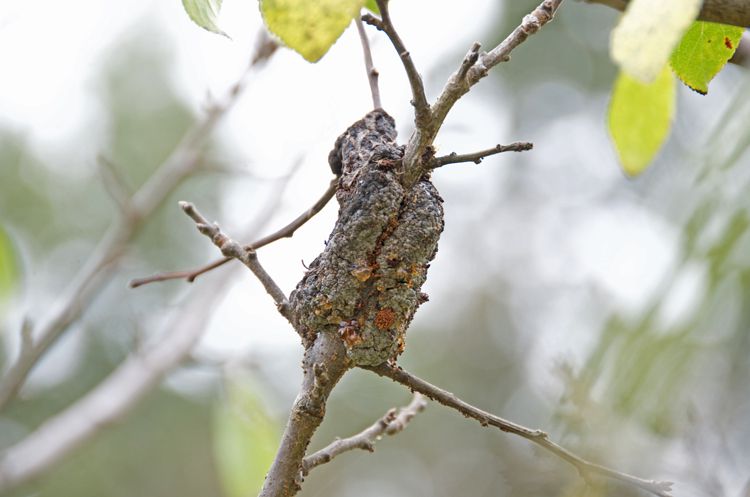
x=366, y=284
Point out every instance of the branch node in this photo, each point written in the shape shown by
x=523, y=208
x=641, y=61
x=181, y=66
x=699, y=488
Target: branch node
x=233, y=250
x=469, y=60
x=373, y=21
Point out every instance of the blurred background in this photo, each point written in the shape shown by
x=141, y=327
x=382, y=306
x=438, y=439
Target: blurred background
x=611, y=312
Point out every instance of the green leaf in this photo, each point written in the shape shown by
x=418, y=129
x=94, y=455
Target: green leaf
x=8, y=271
x=372, y=6
x=204, y=13
x=245, y=439
x=309, y=27
x=703, y=51
x=647, y=34
x=640, y=116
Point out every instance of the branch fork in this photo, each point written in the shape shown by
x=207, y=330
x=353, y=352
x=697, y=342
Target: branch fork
x=233, y=249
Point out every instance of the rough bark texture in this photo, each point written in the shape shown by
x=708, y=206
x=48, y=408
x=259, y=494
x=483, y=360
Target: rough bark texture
x=365, y=286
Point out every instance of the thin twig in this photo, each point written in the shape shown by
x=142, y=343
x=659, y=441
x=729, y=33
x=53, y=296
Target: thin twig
x=476, y=157
x=392, y=422
x=474, y=67
x=421, y=106
x=97, y=271
x=233, y=249
x=285, y=232
x=463, y=79
x=372, y=73
x=584, y=467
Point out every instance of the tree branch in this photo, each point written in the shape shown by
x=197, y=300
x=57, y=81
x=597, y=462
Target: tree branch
x=232, y=249
x=372, y=73
x=99, y=268
x=285, y=232
x=734, y=12
x=584, y=467
x=324, y=364
x=113, y=398
x=419, y=99
x=476, y=157
x=474, y=67
x=392, y=422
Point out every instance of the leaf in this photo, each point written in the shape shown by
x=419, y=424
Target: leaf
x=640, y=116
x=245, y=439
x=8, y=271
x=309, y=27
x=372, y=6
x=204, y=13
x=647, y=34
x=703, y=51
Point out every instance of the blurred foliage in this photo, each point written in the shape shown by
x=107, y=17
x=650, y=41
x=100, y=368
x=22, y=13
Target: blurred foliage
x=8, y=270
x=204, y=13
x=640, y=115
x=56, y=214
x=245, y=437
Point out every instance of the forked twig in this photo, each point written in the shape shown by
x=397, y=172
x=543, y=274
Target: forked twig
x=285, y=232
x=392, y=422
x=232, y=249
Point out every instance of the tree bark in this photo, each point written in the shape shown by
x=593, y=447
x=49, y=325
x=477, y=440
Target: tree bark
x=734, y=12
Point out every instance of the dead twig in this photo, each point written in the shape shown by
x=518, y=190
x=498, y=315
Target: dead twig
x=476, y=157
x=232, y=249
x=392, y=422
x=285, y=232
x=539, y=437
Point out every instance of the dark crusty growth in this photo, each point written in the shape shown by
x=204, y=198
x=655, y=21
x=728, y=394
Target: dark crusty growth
x=365, y=286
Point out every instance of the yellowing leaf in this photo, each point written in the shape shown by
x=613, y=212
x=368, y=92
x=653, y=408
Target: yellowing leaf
x=640, y=116
x=245, y=439
x=648, y=33
x=703, y=51
x=309, y=27
x=204, y=13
